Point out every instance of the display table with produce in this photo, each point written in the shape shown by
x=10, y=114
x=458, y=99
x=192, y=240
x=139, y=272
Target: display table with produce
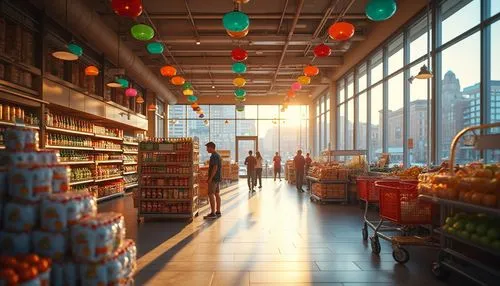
x=328, y=183
x=468, y=197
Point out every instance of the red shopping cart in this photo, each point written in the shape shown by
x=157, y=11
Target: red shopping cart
x=370, y=196
x=399, y=204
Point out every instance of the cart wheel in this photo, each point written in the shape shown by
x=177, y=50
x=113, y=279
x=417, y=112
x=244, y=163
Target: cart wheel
x=401, y=255
x=375, y=244
x=439, y=271
x=364, y=231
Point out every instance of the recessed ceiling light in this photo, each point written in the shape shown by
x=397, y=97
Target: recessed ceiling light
x=213, y=86
x=198, y=42
x=259, y=52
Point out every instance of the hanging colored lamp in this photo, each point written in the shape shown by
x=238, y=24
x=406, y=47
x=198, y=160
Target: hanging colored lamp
x=91, y=71
x=235, y=21
x=127, y=8
x=168, y=71
x=239, y=82
x=380, y=10
x=140, y=100
x=75, y=49
x=187, y=85
x=155, y=48
x=322, y=50
x=237, y=35
x=192, y=98
x=142, y=32
x=239, y=68
x=311, y=70
x=239, y=92
x=290, y=94
x=177, y=80
x=296, y=86
x=123, y=82
x=341, y=31
x=239, y=54
x=131, y=92
x=188, y=92
x=152, y=107
x=304, y=80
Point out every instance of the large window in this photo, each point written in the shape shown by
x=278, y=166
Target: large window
x=283, y=132
x=160, y=119
x=323, y=127
x=393, y=108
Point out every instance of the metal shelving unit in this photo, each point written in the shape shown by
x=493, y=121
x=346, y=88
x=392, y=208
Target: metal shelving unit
x=480, y=267
x=172, y=203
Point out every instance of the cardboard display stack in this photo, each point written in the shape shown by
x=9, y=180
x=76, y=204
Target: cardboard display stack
x=50, y=235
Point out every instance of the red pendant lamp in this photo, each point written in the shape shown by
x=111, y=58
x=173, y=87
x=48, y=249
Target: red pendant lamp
x=322, y=50
x=239, y=54
x=127, y=8
x=341, y=31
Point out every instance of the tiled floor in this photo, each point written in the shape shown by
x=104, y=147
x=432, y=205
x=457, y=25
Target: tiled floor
x=274, y=237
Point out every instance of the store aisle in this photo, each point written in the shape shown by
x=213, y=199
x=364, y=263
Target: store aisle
x=274, y=236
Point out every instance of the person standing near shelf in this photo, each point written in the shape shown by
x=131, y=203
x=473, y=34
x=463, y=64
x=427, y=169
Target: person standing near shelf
x=250, y=162
x=277, y=165
x=299, y=163
x=214, y=178
x=258, y=169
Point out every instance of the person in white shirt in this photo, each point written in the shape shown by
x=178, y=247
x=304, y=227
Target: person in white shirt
x=258, y=169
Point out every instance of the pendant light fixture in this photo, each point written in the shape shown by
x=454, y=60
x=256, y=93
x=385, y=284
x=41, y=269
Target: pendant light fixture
x=425, y=72
x=152, y=107
x=118, y=82
x=73, y=51
x=139, y=99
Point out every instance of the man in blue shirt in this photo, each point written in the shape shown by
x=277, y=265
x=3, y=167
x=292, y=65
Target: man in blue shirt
x=214, y=178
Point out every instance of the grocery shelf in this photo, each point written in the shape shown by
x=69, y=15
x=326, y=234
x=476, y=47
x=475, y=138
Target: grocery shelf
x=165, y=187
x=462, y=205
x=81, y=182
x=129, y=163
x=130, y=143
x=167, y=163
x=109, y=161
x=168, y=215
x=108, y=179
x=78, y=162
x=69, y=147
x=108, y=137
x=108, y=150
x=130, y=152
x=166, y=175
x=316, y=180
x=167, y=200
x=68, y=131
x=130, y=173
x=132, y=185
x=110, y=197
x=468, y=242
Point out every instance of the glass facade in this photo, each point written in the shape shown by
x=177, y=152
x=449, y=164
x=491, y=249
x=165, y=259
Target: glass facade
x=323, y=126
x=283, y=132
x=392, y=110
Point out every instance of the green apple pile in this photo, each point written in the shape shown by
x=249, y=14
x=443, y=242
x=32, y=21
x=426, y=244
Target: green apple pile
x=477, y=228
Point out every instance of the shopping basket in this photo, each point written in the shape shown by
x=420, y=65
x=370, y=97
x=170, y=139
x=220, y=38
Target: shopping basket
x=399, y=203
x=366, y=189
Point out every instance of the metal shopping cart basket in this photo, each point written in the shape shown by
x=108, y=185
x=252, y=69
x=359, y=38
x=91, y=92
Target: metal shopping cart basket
x=399, y=204
x=370, y=196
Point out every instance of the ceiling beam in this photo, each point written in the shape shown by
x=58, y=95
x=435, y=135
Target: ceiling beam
x=256, y=61
x=270, y=16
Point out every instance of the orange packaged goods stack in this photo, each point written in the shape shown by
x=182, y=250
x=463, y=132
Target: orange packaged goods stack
x=168, y=184
x=328, y=182
x=57, y=232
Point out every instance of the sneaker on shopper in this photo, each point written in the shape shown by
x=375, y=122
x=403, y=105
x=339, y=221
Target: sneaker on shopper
x=210, y=216
x=218, y=214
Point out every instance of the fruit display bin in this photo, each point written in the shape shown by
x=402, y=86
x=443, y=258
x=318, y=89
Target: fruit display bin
x=470, y=233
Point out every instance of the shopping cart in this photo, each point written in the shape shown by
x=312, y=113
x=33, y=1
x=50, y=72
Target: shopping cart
x=370, y=196
x=399, y=204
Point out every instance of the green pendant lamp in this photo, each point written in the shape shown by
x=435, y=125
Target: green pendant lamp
x=155, y=48
x=142, y=32
x=239, y=68
x=380, y=10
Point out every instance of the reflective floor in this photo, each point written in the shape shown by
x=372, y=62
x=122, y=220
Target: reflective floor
x=276, y=236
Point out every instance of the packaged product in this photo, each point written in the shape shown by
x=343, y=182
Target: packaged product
x=47, y=157
x=14, y=243
x=29, y=183
x=60, y=178
x=59, y=211
x=96, y=238
x=128, y=257
x=50, y=244
x=93, y=274
x=18, y=158
x=64, y=274
x=20, y=217
x=21, y=139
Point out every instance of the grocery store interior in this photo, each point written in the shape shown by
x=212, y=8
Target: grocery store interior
x=106, y=107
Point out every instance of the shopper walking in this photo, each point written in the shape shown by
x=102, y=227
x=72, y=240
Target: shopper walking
x=250, y=162
x=258, y=169
x=214, y=178
x=277, y=165
x=308, y=162
x=299, y=163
